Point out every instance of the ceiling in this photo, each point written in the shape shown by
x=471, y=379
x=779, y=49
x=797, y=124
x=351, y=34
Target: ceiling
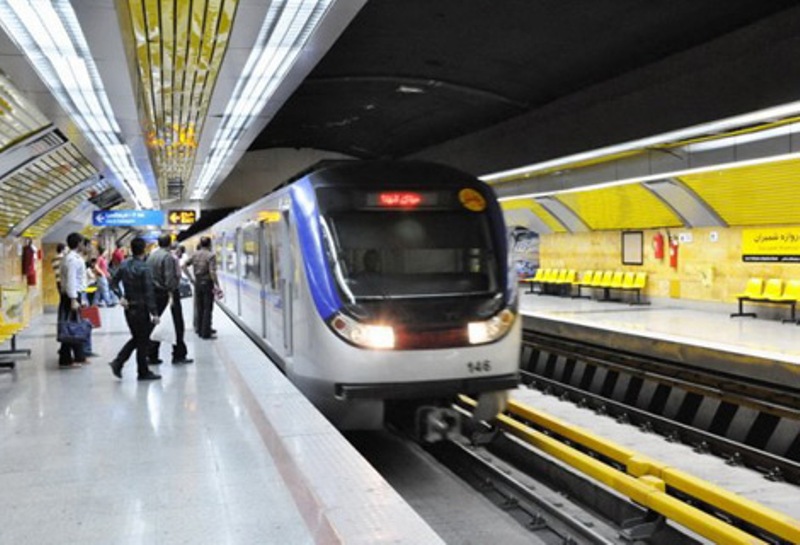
x=482, y=85
x=408, y=75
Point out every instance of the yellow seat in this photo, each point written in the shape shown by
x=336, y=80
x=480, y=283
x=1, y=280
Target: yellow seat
x=627, y=281
x=753, y=290
x=585, y=278
x=773, y=290
x=550, y=276
x=597, y=279
x=538, y=276
x=616, y=280
x=571, y=275
x=561, y=278
x=605, y=282
x=640, y=281
x=791, y=292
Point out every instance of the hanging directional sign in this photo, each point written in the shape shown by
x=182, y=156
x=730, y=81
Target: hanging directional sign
x=182, y=217
x=127, y=218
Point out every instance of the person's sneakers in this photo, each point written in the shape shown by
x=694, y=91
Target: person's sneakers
x=116, y=368
x=149, y=376
x=155, y=362
x=92, y=355
x=72, y=365
x=182, y=361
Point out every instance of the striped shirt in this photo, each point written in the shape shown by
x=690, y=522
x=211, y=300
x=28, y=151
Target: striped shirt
x=56, y=262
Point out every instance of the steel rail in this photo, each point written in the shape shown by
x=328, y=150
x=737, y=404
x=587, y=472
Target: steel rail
x=736, y=453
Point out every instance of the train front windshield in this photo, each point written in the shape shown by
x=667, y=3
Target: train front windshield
x=381, y=253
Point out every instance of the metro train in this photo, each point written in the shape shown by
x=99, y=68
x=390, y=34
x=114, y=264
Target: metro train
x=376, y=284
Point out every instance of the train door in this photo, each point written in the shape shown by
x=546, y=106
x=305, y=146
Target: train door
x=264, y=257
x=287, y=285
x=237, y=271
x=273, y=285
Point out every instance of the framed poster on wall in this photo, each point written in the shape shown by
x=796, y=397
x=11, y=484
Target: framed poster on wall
x=632, y=248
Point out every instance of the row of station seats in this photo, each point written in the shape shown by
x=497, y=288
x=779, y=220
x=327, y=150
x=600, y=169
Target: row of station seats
x=564, y=282
x=10, y=305
x=773, y=291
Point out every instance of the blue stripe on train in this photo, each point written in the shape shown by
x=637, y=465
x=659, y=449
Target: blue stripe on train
x=320, y=280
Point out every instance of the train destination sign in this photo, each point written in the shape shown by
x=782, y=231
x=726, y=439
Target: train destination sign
x=127, y=218
x=182, y=217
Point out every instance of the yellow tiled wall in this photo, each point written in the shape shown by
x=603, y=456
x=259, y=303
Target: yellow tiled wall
x=11, y=274
x=710, y=266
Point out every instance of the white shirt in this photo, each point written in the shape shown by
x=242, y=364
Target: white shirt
x=73, y=272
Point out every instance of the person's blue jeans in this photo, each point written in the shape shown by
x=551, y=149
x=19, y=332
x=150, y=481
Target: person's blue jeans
x=104, y=294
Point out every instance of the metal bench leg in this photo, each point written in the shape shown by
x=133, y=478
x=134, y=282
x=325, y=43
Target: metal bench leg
x=741, y=313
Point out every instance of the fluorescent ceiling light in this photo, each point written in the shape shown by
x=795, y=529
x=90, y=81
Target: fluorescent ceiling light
x=49, y=34
x=662, y=176
x=286, y=29
x=760, y=116
x=738, y=140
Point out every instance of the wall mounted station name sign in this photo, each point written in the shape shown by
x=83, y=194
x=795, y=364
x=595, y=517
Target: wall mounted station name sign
x=127, y=218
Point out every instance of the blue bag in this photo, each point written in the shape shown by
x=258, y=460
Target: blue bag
x=74, y=331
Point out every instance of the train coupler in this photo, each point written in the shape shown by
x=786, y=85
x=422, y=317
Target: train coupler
x=434, y=424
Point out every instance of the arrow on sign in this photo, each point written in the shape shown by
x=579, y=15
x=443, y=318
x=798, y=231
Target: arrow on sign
x=175, y=217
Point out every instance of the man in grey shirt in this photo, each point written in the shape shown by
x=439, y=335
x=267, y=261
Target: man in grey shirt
x=204, y=277
x=166, y=277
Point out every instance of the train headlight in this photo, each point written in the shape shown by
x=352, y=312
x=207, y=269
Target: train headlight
x=364, y=335
x=491, y=329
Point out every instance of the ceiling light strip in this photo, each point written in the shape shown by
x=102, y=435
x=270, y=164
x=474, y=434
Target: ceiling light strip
x=286, y=29
x=653, y=177
x=761, y=116
x=51, y=37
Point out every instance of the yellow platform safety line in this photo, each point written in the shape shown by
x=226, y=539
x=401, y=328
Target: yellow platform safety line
x=646, y=480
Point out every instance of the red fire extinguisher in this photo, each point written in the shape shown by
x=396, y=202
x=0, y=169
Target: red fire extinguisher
x=673, y=252
x=658, y=246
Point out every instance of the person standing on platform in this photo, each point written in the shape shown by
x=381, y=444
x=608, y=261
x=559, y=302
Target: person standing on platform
x=117, y=257
x=85, y=249
x=166, y=277
x=104, y=295
x=141, y=312
x=72, y=270
x=177, y=308
x=204, y=267
x=56, y=263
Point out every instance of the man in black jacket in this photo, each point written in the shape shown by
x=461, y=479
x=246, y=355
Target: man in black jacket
x=140, y=309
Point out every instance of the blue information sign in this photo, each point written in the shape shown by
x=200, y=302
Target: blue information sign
x=127, y=218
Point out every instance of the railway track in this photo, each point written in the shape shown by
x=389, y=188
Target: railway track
x=757, y=425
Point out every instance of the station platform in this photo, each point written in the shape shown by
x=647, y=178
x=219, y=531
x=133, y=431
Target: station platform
x=224, y=450
x=702, y=335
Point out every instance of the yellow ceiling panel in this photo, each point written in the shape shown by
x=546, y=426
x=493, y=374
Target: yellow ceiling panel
x=628, y=206
x=537, y=209
x=41, y=182
x=52, y=217
x=755, y=195
x=178, y=48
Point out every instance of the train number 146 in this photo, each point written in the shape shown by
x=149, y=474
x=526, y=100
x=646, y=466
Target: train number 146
x=480, y=366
